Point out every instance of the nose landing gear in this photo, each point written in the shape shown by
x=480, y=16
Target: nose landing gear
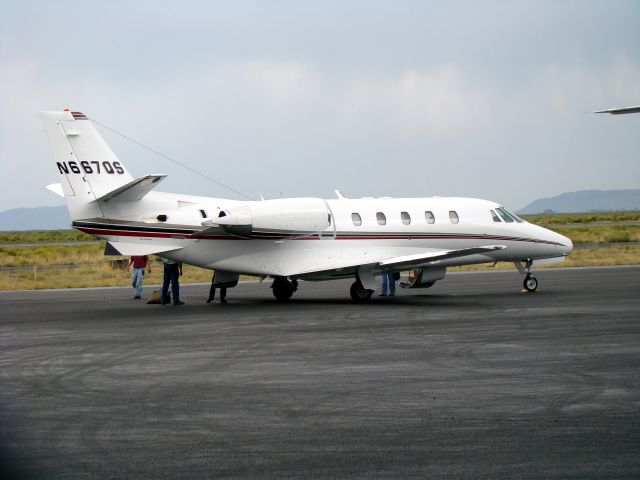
x=530, y=283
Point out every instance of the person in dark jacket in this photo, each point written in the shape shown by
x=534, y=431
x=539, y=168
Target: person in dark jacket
x=172, y=273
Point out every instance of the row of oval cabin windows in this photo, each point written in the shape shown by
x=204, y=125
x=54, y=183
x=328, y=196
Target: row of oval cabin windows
x=405, y=217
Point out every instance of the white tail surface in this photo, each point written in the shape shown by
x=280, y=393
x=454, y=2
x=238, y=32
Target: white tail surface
x=88, y=168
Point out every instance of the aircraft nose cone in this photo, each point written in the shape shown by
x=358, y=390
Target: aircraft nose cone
x=567, y=244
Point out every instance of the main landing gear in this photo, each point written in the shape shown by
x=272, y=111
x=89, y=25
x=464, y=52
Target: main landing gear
x=283, y=288
x=530, y=283
x=359, y=293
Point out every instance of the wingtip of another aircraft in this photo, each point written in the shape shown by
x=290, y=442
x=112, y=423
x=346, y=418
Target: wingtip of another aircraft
x=619, y=111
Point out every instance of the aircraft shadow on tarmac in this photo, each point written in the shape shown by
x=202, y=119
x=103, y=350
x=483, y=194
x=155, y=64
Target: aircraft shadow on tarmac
x=427, y=300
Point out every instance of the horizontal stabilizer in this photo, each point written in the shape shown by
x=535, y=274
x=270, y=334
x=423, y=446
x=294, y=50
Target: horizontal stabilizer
x=134, y=190
x=127, y=248
x=420, y=258
x=56, y=188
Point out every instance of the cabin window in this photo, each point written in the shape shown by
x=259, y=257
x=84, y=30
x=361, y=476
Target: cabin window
x=382, y=220
x=496, y=218
x=406, y=218
x=429, y=217
x=453, y=216
x=356, y=219
x=203, y=213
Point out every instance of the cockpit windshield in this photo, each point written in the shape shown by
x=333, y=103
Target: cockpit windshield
x=508, y=216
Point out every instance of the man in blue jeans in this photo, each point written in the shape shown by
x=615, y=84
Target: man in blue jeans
x=388, y=281
x=137, y=264
x=172, y=273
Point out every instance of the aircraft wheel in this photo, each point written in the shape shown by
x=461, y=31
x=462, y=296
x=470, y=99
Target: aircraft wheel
x=282, y=289
x=359, y=293
x=530, y=283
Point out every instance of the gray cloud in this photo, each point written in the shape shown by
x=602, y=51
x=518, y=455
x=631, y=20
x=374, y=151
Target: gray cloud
x=479, y=99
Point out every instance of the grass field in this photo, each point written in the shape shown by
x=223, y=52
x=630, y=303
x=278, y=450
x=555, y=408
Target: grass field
x=597, y=217
x=83, y=265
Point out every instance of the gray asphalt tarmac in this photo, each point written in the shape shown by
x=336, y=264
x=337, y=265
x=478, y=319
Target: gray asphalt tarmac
x=469, y=379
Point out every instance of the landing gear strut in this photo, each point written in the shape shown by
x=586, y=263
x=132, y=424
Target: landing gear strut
x=283, y=288
x=530, y=283
x=359, y=293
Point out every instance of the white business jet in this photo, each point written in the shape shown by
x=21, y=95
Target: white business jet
x=288, y=239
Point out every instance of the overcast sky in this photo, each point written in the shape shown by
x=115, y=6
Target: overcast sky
x=473, y=98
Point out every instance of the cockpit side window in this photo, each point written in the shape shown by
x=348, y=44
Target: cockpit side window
x=508, y=216
x=504, y=215
x=513, y=215
x=496, y=218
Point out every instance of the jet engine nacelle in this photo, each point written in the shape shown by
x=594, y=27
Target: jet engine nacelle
x=290, y=216
x=424, y=278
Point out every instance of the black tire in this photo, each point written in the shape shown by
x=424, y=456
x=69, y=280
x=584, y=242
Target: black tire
x=530, y=283
x=359, y=293
x=282, y=289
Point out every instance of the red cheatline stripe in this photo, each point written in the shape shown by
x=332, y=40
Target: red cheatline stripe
x=125, y=233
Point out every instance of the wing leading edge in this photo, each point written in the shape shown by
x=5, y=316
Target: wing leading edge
x=412, y=261
x=406, y=262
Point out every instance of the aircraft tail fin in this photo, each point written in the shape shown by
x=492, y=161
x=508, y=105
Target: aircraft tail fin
x=88, y=168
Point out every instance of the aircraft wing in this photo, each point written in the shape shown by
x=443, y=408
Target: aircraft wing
x=620, y=111
x=343, y=268
x=128, y=249
x=411, y=261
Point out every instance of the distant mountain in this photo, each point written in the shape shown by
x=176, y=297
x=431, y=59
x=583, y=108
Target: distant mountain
x=41, y=218
x=587, y=201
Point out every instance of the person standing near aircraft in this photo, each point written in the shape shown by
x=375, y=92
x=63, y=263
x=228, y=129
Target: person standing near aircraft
x=212, y=292
x=388, y=283
x=137, y=264
x=172, y=273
